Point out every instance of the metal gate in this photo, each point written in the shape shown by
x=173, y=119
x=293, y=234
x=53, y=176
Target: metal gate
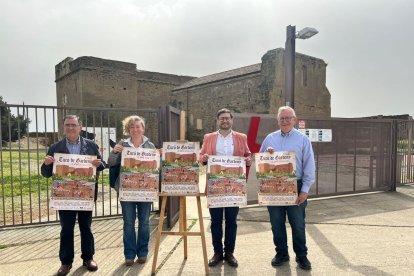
x=27, y=131
x=359, y=159
x=405, y=152
x=171, y=132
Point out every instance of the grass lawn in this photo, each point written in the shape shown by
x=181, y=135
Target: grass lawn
x=24, y=191
x=20, y=172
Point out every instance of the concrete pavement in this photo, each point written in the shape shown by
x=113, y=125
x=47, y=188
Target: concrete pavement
x=369, y=234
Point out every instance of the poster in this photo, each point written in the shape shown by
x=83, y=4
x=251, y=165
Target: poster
x=226, y=181
x=73, y=185
x=180, y=170
x=139, y=175
x=276, y=175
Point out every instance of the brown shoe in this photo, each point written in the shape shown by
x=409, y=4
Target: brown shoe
x=64, y=270
x=142, y=259
x=91, y=265
x=217, y=258
x=129, y=262
x=229, y=257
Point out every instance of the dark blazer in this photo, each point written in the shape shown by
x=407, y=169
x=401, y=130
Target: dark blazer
x=88, y=147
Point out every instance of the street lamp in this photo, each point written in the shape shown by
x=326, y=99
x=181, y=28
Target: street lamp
x=291, y=36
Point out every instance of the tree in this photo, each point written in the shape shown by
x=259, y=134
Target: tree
x=18, y=124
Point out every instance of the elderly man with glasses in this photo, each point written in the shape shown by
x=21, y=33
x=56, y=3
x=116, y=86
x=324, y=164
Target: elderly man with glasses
x=73, y=143
x=290, y=139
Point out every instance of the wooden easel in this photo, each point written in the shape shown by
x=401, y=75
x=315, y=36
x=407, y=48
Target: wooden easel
x=182, y=219
x=182, y=229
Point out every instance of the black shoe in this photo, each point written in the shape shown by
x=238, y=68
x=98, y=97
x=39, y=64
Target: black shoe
x=229, y=257
x=91, y=265
x=217, y=258
x=303, y=262
x=64, y=270
x=280, y=259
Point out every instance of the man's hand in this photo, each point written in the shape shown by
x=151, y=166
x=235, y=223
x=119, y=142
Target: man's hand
x=49, y=160
x=248, y=161
x=96, y=162
x=205, y=157
x=301, y=198
x=269, y=150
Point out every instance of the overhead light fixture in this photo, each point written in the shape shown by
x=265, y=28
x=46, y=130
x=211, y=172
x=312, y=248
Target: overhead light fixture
x=306, y=33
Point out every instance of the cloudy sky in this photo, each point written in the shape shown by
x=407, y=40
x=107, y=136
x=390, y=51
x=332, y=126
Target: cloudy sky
x=367, y=44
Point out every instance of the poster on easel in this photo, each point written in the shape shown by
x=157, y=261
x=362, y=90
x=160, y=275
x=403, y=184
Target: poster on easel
x=226, y=181
x=276, y=175
x=73, y=182
x=180, y=168
x=139, y=174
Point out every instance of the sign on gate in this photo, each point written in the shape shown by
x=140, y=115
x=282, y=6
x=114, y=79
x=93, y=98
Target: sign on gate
x=102, y=137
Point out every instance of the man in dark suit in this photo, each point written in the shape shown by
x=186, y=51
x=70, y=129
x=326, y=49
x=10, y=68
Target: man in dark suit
x=73, y=143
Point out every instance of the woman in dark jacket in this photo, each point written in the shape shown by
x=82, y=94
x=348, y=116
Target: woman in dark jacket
x=134, y=127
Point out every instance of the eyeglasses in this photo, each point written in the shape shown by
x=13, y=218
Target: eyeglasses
x=287, y=119
x=71, y=125
x=224, y=119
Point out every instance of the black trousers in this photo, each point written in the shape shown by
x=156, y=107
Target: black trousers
x=67, y=222
x=230, y=216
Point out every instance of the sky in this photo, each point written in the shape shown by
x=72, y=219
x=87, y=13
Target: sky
x=367, y=44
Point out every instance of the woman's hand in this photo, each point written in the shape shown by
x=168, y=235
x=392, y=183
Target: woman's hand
x=118, y=148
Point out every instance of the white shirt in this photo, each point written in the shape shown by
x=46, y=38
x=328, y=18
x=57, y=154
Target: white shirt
x=132, y=145
x=225, y=146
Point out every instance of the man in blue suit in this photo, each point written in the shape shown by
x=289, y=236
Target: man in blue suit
x=73, y=143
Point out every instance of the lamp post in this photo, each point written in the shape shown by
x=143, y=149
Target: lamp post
x=290, y=51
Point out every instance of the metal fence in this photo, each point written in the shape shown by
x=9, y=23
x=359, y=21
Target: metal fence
x=405, y=152
x=364, y=155
x=359, y=159
x=27, y=131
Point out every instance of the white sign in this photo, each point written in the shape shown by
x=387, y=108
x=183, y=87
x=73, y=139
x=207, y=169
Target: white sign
x=318, y=135
x=102, y=137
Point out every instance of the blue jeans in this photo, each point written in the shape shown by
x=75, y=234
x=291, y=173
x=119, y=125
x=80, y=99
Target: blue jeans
x=133, y=245
x=230, y=214
x=296, y=216
x=67, y=222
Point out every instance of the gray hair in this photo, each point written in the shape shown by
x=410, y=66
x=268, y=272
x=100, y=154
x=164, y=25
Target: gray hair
x=283, y=108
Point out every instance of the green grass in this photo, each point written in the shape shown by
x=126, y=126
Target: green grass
x=20, y=173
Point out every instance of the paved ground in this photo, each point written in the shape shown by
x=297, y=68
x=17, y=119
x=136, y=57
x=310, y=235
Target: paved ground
x=370, y=234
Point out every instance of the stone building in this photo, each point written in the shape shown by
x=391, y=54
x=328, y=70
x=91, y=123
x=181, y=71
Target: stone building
x=96, y=82
x=257, y=88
